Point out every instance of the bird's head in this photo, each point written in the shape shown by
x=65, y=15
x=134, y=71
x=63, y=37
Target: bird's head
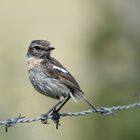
x=39, y=49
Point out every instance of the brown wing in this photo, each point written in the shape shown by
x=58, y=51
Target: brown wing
x=65, y=78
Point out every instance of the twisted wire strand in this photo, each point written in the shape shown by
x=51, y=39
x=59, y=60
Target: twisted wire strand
x=101, y=110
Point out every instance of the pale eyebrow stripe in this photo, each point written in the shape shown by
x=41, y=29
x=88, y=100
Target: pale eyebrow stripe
x=62, y=70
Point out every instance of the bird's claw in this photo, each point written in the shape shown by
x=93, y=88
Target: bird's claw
x=55, y=116
x=44, y=120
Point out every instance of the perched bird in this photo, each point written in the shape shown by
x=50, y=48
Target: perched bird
x=49, y=77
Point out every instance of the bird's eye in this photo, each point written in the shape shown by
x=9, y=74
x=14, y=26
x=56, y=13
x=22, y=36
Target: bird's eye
x=36, y=47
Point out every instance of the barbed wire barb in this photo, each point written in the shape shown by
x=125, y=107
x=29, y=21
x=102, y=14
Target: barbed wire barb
x=55, y=116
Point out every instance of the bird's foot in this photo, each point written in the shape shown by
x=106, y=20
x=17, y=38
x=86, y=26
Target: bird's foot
x=47, y=115
x=55, y=116
x=44, y=120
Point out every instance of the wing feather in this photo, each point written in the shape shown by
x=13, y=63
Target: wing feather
x=64, y=77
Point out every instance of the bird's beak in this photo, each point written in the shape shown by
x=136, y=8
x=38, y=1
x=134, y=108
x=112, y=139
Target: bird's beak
x=50, y=48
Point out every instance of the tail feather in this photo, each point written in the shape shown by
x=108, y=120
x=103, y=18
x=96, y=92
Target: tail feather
x=88, y=102
x=74, y=98
x=80, y=95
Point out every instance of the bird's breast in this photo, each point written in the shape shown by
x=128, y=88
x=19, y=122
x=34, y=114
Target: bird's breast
x=45, y=84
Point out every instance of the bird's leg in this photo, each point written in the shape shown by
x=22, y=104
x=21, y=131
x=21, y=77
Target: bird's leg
x=55, y=114
x=51, y=110
x=54, y=107
x=63, y=104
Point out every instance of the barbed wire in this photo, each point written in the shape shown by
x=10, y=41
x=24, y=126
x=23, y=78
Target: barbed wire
x=55, y=116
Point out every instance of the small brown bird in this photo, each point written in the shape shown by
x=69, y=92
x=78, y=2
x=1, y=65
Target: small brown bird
x=49, y=77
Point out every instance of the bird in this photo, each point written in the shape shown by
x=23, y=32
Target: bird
x=50, y=78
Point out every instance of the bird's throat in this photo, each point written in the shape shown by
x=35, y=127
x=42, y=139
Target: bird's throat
x=32, y=62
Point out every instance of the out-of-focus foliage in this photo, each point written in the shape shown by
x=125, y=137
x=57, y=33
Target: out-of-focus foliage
x=98, y=41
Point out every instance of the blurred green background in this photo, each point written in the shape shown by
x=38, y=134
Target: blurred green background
x=98, y=41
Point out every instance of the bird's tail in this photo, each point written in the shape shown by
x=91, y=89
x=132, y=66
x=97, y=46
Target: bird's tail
x=88, y=102
x=79, y=95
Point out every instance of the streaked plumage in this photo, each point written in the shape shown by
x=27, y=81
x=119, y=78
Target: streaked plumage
x=48, y=76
